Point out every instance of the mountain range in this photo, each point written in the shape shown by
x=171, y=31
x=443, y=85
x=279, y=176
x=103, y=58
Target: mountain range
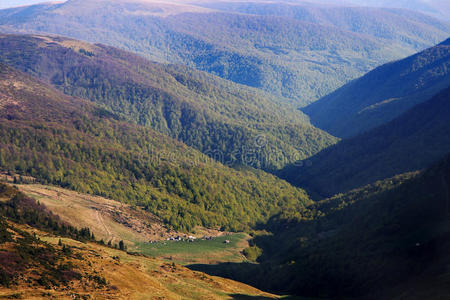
x=148, y=147
x=232, y=123
x=384, y=93
x=413, y=141
x=290, y=56
x=437, y=8
x=75, y=144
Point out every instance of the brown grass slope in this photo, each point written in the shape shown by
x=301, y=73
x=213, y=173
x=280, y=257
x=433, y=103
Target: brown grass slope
x=37, y=264
x=112, y=221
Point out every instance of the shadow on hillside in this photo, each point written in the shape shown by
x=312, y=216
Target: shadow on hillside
x=246, y=297
x=265, y=275
x=234, y=271
x=243, y=272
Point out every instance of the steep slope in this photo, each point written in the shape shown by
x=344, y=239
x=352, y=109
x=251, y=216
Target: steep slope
x=388, y=240
x=75, y=144
x=232, y=123
x=410, y=142
x=282, y=55
x=384, y=93
x=142, y=232
x=39, y=262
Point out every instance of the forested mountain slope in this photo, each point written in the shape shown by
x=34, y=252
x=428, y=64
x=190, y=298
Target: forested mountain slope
x=283, y=55
x=387, y=23
x=384, y=93
x=74, y=144
x=232, y=123
x=388, y=240
x=410, y=142
x=438, y=8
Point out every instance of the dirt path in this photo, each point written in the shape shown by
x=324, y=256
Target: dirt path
x=100, y=221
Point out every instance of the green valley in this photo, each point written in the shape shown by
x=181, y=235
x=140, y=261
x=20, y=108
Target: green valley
x=200, y=149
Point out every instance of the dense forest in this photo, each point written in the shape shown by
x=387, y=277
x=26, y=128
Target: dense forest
x=78, y=145
x=393, y=24
x=302, y=58
x=230, y=137
x=383, y=241
x=408, y=143
x=384, y=93
x=233, y=124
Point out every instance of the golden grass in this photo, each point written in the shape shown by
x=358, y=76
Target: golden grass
x=113, y=221
x=138, y=277
x=108, y=219
x=67, y=43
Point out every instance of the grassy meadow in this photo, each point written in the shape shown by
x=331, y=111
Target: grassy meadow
x=113, y=221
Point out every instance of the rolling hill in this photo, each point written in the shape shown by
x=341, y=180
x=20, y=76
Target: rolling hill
x=437, y=8
x=387, y=240
x=41, y=258
x=411, y=142
x=231, y=123
x=285, y=56
x=384, y=93
x=75, y=144
x=142, y=232
x=383, y=22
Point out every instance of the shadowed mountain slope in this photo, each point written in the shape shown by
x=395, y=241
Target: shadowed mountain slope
x=388, y=240
x=410, y=142
x=384, y=93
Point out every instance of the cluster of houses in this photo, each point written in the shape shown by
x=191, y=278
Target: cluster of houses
x=189, y=239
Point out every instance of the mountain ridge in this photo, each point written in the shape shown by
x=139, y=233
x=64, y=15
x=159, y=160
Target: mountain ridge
x=384, y=93
x=286, y=68
x=216, y=117
x=410, y=142
x=76, y=144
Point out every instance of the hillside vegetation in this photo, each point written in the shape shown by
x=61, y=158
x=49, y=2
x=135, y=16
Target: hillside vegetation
x=388, y=240
x=438, y=8
x=383, y=22
x=231, y=123
x=410, y=142
x=140, y=231
x=39, y=262
x=299, y=58
x=384, y=93
x=74, y=144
